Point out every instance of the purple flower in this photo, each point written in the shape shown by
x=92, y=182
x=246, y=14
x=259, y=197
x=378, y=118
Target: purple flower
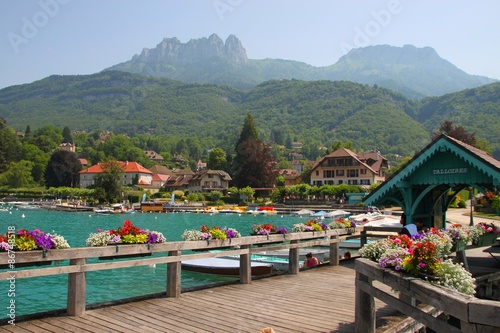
x=282, y=230
x=230, y=233
x=421, y=265
x=206, y=236
x=262, y=231
x=5, y=246
x=116, y=239
x=152, y=238
x=41, y=240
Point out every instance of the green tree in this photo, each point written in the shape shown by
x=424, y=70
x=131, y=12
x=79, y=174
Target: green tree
x=253, y=164
x=40, y=159
x=217, y=159
x=10, y=146
x=248, y=192
x=18, y=175
x=67, y=137
x=215, y=196
x=107, y=183
x=63, y=169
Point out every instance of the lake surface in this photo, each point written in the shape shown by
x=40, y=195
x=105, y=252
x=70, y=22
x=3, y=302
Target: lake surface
x=49, y=293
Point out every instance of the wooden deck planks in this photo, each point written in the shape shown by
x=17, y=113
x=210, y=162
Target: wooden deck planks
x=316, y=300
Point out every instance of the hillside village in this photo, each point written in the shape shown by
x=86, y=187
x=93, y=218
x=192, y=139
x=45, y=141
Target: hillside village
x=340, y=167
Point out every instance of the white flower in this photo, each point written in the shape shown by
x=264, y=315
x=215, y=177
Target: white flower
x=59, y=241
x=99, y=239
x=456, y=277
x=192, y=235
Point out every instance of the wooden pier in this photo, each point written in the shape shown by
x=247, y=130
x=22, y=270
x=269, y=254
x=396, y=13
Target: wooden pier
x=316, y=300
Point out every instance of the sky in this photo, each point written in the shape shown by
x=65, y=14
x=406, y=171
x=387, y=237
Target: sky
x=40, y=38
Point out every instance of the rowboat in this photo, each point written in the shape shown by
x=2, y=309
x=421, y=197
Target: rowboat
x=221, y=266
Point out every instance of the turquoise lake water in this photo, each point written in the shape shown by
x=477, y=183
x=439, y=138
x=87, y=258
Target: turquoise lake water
x=49, y=293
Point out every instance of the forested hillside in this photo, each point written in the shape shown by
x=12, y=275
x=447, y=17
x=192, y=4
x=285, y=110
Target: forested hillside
x=316, y=113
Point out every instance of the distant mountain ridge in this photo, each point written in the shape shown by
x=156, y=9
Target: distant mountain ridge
x=414, y=72
x=172, y=50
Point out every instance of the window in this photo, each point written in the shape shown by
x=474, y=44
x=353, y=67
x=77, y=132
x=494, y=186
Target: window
x=363, y=171
x=317, y=172
x=353, y=173
x=340, y=172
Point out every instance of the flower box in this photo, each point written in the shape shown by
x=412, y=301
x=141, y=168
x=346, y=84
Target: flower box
x=124, y=256
x=205, y=233
x=487, y=239
x=26, y=264
x=458, y=246
x=128, y=234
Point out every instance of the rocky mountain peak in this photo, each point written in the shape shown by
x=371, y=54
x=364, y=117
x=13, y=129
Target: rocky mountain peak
x=172, y=50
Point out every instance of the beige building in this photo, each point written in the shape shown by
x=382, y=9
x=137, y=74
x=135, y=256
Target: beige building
x=132, y=171
x=209, y=180
x=345, y=167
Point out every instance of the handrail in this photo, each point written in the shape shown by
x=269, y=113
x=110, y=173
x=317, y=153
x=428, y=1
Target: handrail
x=475, y=315
x=78, y=265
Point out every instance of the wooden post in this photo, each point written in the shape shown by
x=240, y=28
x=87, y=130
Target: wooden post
x=174, y=276
x=293, y=259
x=77, y=288
x=362, y=238
x=462, y=258
x=334, y=252
x=245, y=267
x=364, y=311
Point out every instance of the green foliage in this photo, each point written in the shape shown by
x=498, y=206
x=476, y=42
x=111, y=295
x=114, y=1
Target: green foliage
x=215, y=196
x=63, y=169
x=248, y=192
x=18, y=175
x=107, y=184
x=217, y=159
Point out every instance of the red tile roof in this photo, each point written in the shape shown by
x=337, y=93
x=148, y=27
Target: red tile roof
x=127, y=167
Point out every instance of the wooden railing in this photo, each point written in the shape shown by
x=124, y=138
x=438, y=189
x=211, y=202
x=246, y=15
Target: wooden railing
x=473, y=314
x=78, y=265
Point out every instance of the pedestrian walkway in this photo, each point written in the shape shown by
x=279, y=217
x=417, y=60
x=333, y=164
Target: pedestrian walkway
x=316, y=300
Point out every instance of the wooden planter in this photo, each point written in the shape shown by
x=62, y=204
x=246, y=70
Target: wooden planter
x=458, y=246
x=122, y=256
x=26, y=264
x=487, y=239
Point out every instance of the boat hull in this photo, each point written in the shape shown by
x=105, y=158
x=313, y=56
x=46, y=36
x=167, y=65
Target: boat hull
x=221, y=266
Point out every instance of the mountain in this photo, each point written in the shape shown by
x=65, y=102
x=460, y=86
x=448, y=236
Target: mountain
x=316, y=113
x=405, y=69
x=414, y=72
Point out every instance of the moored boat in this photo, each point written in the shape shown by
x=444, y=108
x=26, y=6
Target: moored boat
x=221, y=266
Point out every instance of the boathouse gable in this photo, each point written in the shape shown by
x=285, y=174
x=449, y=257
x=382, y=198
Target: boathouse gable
x=422, y=185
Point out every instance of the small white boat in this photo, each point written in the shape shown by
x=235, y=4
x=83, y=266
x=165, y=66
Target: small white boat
x=221, y=266
x=302, y=212
x=28, y=206
x=279, y=263
x=318, y=253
